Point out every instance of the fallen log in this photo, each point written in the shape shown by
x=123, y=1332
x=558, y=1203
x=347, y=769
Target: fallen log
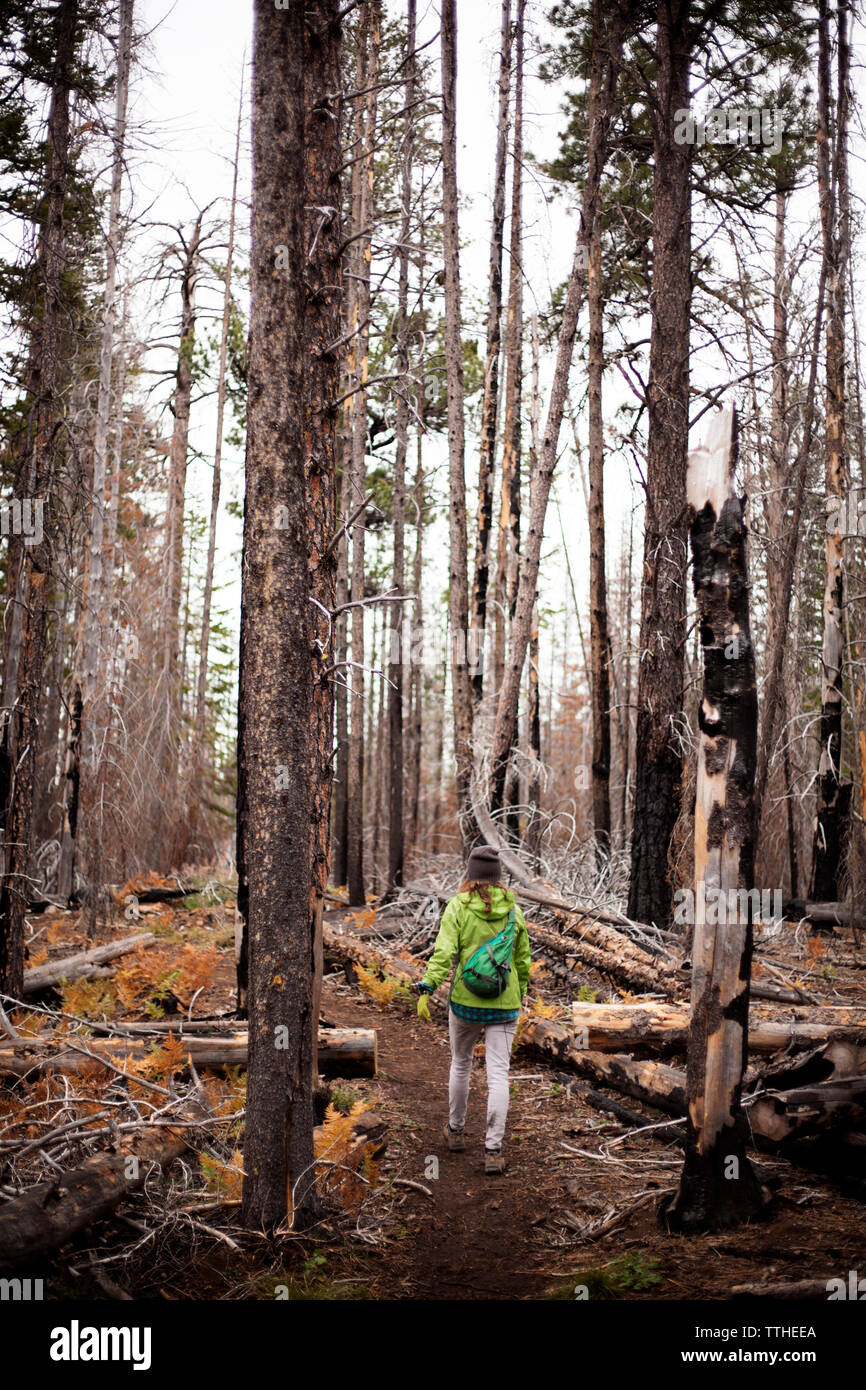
x=343, y=947
x=611, y=954
x=830, y=1061
x=154, y=895
x=795, y=909
x=342, y=1052
x=801, y=1289
x=83, y=965
x=781, y=1116
x=667, y=1134
x=50, y=1214
x=621, y=1027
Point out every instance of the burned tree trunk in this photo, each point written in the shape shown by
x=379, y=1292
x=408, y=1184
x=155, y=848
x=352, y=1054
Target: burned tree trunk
x=718, y=1187
x=276, y=691
x=658, y=759
x=833, y=795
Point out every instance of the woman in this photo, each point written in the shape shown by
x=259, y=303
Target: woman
x=477, y=914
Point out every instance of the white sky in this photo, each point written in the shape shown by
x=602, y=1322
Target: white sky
x=186, y=102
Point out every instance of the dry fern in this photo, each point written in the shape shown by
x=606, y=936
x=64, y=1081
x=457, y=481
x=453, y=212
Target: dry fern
x=384, y=991
x=348, y=1171
x=225, y=1180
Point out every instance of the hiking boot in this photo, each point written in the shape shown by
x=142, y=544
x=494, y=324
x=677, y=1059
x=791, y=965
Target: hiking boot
x=454, y=1139
x=494, y=1161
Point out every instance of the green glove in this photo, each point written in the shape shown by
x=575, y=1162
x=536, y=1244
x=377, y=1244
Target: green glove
x=423, y=1009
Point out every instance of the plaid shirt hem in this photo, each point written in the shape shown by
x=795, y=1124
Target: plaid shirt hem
x=473, y=1015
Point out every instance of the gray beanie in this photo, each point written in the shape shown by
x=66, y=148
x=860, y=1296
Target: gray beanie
x=483, y=866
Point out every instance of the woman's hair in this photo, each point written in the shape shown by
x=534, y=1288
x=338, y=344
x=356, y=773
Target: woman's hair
x=482, y=889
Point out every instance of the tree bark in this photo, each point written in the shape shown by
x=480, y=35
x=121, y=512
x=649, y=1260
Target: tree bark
x=276, y=689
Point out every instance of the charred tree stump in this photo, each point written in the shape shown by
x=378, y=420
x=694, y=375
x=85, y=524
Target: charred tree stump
x=718, y=1187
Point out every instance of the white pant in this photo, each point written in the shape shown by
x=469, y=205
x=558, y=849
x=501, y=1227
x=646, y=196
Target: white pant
x=498, y=1038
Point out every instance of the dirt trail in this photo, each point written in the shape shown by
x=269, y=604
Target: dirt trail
x=508, y=1237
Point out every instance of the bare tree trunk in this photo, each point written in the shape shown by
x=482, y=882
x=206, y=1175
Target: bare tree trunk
x=508, y=552
x=355, y=858
x=607, y=49
x=490, y=401
x=348, y=501
x=323, y=266
x=534, y=783
x=197, y=759
x=21, y=739
x=833, y=795
x=277, y=682
x=397, y=625
x=627, y=694
x=458, y=594
x=177, y=470
x=658, y=755
x=718, y=1187
x=599, y=641
x=417, y=566
x=86, y=693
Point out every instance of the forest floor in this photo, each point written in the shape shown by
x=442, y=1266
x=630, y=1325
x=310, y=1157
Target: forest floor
x=512, y=1237
x=574, y=1215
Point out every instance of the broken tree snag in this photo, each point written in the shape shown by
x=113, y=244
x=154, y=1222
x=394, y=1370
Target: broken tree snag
x=718, y=1187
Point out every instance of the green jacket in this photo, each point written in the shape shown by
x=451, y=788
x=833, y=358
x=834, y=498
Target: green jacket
x=465, y=926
